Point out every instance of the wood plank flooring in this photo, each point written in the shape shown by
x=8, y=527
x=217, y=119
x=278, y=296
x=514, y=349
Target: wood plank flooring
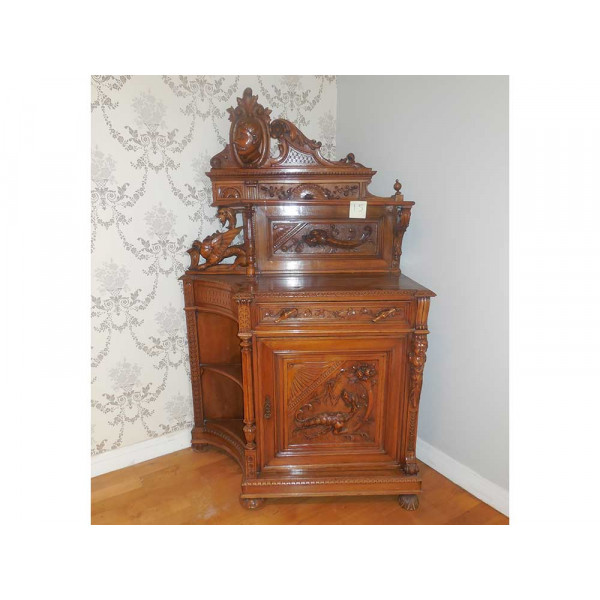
x=202, y=488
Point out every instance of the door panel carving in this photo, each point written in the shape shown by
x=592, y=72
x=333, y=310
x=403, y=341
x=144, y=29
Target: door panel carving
x=331, y=402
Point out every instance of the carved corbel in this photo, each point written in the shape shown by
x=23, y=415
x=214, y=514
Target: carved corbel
x=402, y=222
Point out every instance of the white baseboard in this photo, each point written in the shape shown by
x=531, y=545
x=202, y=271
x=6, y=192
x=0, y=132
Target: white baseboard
x=137, y=453
x=466, y=478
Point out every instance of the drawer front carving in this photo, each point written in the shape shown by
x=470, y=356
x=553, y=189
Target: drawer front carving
x=290, y=238
x=398, y=313
x=308, y=191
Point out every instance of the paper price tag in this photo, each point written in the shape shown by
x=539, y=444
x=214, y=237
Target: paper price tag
x=358, y=209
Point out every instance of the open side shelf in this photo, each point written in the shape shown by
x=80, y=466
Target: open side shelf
x=232, y=371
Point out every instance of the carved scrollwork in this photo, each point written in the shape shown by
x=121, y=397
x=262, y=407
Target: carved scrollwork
x=323, y=238
x=349, y=313
x=311, y=191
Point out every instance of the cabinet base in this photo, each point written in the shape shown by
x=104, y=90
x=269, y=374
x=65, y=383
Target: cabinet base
x=409, y=501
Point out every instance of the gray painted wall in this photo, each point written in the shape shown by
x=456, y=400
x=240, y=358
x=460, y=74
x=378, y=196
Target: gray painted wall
x=446, y=139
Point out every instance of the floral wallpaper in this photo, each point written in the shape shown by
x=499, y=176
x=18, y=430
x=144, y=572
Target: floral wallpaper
x=152, y=139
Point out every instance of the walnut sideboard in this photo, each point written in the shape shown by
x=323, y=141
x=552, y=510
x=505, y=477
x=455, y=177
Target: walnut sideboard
x=307, y=345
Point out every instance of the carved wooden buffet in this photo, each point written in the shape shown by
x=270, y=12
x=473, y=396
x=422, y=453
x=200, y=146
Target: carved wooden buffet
x=307, y=344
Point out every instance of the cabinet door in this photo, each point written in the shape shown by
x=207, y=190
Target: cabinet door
x=326, y=402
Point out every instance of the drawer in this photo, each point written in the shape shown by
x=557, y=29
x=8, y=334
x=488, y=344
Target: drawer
x=293, y=315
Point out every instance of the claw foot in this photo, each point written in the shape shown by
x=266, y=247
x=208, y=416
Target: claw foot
x=409, y=501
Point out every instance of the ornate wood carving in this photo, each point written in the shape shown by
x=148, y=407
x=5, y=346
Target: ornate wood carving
x=229, y=192
x=250, y=463
x=248, y=217
x=340, y=406
x=332, y=341
x=245, y=334
x=323, y=238
x=409, y=501
x=218, y=246
x=215, y=248
x=309, y=191
x=227, y=217
x=374, y=314
x=268, y=408
x=416, y=359
x=215, y=297
x=248, y=136
x=329, y=481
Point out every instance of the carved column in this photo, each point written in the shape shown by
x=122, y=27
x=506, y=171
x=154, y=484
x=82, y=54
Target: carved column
x=195, y=370
x=416, y=358
x=245, y=334
x=249, y=239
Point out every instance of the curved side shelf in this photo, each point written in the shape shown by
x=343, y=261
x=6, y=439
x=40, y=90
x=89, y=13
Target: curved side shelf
x=231, y=371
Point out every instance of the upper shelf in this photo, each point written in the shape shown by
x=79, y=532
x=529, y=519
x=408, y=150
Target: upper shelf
x=297, y=210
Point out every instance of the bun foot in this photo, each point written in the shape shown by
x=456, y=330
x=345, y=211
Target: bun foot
x=252, y=503
x=409, y=501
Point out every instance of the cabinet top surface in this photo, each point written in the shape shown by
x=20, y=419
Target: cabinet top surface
x=315, y=284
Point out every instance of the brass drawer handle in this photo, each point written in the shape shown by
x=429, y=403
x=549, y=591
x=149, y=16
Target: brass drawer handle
x=286, y=313
x=267, y=407
x=383, y=314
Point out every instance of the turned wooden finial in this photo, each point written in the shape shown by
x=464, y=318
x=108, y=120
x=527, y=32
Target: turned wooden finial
x=397, y=186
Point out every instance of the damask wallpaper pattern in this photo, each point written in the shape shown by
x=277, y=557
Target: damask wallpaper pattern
x=152, y=139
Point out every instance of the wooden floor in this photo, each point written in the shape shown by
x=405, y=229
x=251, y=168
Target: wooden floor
x=189, y=487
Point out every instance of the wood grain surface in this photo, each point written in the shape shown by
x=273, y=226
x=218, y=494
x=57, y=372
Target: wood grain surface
x=202, y=488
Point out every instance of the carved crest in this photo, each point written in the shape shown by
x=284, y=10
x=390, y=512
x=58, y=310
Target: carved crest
x=249, y=142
